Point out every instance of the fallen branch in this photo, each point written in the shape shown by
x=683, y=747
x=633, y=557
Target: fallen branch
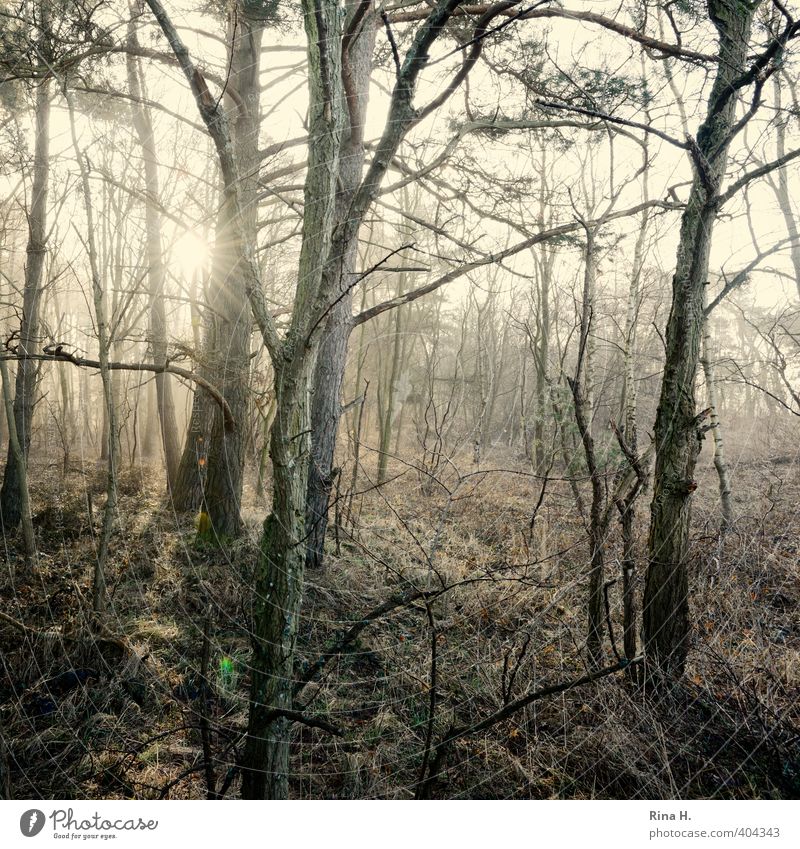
x=346, y=639
x=310, y=721
x=505, y=712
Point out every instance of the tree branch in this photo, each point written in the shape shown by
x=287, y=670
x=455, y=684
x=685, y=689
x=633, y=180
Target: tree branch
x=677, y=51
x=82, y=362
x=543, y=236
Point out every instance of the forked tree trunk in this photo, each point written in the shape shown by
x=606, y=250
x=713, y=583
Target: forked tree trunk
x=665, y=611
x=279, y=575
x=27, y=370
x=281, y=566
x=339, y=279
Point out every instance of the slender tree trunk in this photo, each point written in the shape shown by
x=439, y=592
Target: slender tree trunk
x=99, y=593
x=629, y=393
x=156, y=271
x=782, y=188
x=666, y=603
x=541, y=361
x=394, y=375
x=720, y=463
x=27, y=370
x=598, y=521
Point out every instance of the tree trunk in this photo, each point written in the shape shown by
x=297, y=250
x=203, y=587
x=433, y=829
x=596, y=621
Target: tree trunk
x=666, y=604
x=228, y=347
x=598, y=521
x=394, y=373
x=782, y=187
x=27, y=370
x=720, y=463
x=156, y=271
x=99, y=593
x=187, y=494
x=279, y=589
x=16, y=448
x=339, y=280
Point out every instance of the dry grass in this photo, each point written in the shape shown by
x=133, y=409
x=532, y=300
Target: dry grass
x=132, y=727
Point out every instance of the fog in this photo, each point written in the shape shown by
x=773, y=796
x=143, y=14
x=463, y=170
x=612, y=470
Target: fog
x=400, y=400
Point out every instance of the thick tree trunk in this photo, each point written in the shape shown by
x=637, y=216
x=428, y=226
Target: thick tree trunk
x=666, y=604
x=210, y=473
x=279, y=589
x=228, y=348
x=27, y=370
x=187, y=494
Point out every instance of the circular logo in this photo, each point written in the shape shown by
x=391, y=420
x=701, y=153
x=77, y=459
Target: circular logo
x=31, y=822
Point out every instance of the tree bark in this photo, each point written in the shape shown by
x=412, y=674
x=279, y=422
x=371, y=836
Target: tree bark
x=278, y=585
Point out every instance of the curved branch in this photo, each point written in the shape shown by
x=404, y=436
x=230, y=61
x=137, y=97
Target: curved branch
x=678, y=51
x=82, y=362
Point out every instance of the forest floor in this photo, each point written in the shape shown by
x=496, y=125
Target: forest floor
x=137, y=711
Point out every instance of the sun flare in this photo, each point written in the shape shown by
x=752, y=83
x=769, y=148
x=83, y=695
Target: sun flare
x=189, y=254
